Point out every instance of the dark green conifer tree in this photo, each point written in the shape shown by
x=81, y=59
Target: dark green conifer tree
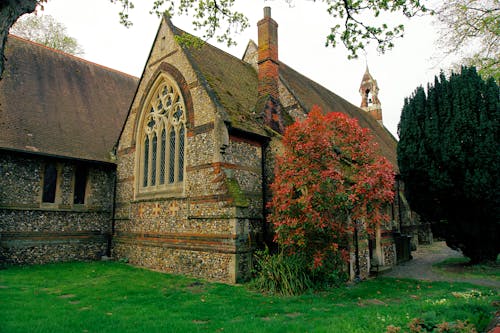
x=449, y=159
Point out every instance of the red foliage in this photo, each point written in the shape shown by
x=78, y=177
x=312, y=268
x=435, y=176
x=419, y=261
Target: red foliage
x=331, y=173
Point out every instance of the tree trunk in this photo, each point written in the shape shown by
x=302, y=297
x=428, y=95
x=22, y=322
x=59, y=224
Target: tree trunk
x=10, y=11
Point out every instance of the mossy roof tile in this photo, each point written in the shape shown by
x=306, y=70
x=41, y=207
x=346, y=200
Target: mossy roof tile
x=234, y=85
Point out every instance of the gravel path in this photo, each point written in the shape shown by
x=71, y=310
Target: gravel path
x=420, y=267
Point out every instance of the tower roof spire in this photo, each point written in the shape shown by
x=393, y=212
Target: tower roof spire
x=367, y=76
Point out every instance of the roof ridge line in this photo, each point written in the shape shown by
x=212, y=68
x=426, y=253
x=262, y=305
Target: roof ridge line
x=69, y=55
x=209, y=44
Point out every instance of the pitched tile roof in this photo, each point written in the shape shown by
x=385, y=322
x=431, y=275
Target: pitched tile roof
x=233, y=83
x=53, y=103
x=56, y=104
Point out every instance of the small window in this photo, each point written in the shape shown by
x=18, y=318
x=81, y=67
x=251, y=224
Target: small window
x=80, y=184
x=49, y=183
x=368, y=96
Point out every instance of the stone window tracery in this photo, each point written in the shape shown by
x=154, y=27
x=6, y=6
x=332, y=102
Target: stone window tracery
x=161, y=140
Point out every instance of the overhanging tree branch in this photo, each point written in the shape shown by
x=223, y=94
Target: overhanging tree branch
x=220, y=20
x=10, y=11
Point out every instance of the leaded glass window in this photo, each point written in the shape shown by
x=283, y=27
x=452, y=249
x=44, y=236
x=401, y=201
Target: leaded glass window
x=163, y=136
x=163, y=152
x=154, y=149
x=49, y=183
x=79, y=190
x=171, y=160
x=180, y=175
x=146, y=162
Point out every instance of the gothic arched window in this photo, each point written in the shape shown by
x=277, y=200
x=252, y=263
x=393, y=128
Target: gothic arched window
x=161, y=138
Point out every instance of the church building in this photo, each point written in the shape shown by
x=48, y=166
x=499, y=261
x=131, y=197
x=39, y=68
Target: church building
x=169, y=171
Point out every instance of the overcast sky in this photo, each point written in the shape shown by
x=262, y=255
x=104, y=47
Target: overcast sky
x=302, y=32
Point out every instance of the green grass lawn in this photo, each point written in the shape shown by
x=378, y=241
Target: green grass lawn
x=460, y=267
x=115, y=297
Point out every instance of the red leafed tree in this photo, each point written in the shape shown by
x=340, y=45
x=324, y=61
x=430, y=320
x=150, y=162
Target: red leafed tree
x=330, y=175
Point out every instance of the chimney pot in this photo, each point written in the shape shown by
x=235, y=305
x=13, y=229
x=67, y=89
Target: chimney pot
x=267, y=11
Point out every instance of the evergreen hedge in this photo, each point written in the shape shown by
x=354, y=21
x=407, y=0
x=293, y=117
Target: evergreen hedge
x=449, y=159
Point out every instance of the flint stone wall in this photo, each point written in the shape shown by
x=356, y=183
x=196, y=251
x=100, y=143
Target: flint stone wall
x=32, y=232
x=208, y=229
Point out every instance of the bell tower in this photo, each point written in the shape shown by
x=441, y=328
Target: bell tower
x=369, y=96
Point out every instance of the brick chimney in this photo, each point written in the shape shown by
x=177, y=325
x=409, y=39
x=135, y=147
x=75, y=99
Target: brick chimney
x=268, y=55
x=268, y=70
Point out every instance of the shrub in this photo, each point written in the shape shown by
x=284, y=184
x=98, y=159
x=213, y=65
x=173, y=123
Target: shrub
x=280, y=274
x=332, y=273
x=449, y=157
x=330, y=177
x=286, y=274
